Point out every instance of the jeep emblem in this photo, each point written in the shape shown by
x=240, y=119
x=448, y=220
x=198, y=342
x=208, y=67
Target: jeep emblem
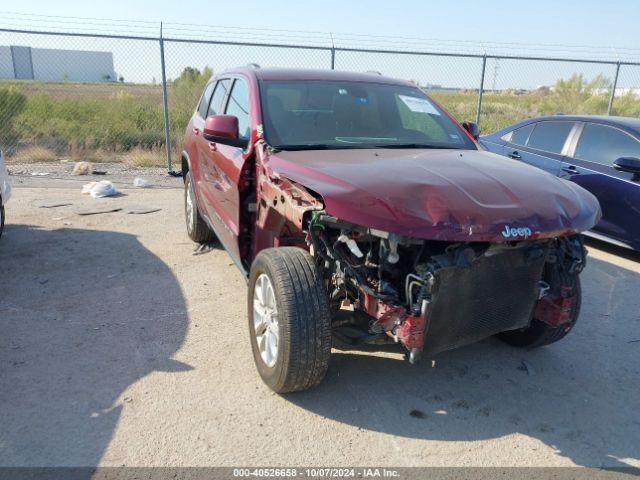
x=510, y=232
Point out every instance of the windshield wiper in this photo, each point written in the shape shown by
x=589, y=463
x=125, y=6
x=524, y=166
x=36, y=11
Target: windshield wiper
x=409, y=145
x=317, y=146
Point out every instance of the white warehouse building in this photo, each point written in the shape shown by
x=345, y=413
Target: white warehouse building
x=26, y=63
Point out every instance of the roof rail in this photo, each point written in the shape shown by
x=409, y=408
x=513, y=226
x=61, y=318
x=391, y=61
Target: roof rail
x=374, y=72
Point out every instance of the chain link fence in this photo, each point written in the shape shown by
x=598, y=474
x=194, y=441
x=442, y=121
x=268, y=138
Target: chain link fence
x=118, y=98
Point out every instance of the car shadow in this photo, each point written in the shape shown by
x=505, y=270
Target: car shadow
x=83, y=315
x=578, y=396
x=626, y=253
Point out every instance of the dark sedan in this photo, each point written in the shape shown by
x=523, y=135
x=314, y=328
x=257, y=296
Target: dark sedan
x=601, y=154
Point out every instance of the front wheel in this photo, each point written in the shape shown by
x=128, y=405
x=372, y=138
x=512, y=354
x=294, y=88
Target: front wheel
x=289, y=320
x=538, y=333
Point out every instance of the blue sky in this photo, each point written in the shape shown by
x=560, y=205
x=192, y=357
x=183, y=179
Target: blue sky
x=587, y=22
x=541, y=27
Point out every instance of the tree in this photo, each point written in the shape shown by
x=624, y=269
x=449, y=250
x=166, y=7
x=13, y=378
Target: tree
x=576, y=95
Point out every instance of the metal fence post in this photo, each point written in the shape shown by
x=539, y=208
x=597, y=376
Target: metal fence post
x=333, y=52
x=165, y=104
x=479, y=108
x=613, y=88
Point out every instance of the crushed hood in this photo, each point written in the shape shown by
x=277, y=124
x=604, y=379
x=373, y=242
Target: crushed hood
x=452, y=195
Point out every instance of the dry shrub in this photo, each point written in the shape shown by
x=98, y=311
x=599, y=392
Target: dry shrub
x=140, y=157
x=33, y=155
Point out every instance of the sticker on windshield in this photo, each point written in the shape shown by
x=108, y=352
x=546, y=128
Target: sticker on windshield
x=421, y=105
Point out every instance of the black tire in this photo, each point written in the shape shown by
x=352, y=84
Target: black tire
x=197, y=228
x=303, y=319
x=1, y=217
x=539, y=333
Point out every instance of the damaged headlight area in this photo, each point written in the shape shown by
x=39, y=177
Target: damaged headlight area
x=433, y=295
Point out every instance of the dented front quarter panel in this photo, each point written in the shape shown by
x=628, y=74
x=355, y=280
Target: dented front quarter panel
x=448, y=195
x=281, y=206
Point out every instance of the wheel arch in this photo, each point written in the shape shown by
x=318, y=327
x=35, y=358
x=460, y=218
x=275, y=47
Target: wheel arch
x=184, y=160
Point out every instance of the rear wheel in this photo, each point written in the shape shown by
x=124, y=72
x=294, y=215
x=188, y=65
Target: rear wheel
x=197, y=228
x=539, y=333
x=289, y=320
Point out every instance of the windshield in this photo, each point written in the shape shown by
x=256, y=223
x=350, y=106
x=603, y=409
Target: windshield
x=336, y=114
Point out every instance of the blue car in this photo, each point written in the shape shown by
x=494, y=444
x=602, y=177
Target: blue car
x=601, y=154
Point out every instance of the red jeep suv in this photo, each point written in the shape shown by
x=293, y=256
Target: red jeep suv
x=362, y=213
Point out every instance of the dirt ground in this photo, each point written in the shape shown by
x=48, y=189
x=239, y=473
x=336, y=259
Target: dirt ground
x=120, y=347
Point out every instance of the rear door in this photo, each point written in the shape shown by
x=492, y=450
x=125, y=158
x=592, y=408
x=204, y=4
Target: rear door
x=590, y=165
x=192, y=140
x=540, y=144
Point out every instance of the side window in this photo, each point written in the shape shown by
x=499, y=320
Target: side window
x=204, y=101
x=215, y=106
x=519, y=136
x=550, y=136
x=238, y=105
x=602, y=144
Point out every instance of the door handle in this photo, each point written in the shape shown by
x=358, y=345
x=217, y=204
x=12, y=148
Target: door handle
x=212, y=147
x=571, y=169
x=515, y=155
x=196, y=131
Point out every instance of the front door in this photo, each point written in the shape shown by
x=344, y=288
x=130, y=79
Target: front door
x=591, y=166
x=540, y=144
x=224, y=166
x=208, y=159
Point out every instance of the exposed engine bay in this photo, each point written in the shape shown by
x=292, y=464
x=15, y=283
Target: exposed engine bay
x=433, y=295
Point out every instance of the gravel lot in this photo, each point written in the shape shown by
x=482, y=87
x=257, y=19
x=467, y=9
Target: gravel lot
x=120, y=347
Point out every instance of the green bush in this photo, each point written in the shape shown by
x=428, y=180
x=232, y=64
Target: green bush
x=116, y=124
x=12, y=103
x=126, y=119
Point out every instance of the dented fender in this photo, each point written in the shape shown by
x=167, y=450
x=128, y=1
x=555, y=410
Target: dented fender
x=281, y=205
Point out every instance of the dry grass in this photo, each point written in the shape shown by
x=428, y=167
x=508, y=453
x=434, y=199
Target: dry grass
x=86, y=91
x=33, y=155
x=93, y=155
x=139, y=157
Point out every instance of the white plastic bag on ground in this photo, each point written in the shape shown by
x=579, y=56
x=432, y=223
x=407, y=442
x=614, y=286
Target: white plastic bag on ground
x=100, y=189
x=140, y=182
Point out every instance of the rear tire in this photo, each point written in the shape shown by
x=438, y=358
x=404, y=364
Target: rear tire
x=539, y=333
x=197, y=228
x=302, y=324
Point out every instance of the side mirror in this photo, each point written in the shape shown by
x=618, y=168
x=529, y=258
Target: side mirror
x=223, y=129
x=472, y=128
x=628, y=164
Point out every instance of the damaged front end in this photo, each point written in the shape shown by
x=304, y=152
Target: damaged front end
x=432, y=296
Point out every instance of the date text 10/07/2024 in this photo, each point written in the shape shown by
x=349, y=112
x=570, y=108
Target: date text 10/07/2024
x=317, y=472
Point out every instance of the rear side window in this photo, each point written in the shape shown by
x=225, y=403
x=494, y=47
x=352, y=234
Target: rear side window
x=215, y=107
x=204, y=101
x=520, y=136
x=238, y=105
x=602, y=144
x=549, y=136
